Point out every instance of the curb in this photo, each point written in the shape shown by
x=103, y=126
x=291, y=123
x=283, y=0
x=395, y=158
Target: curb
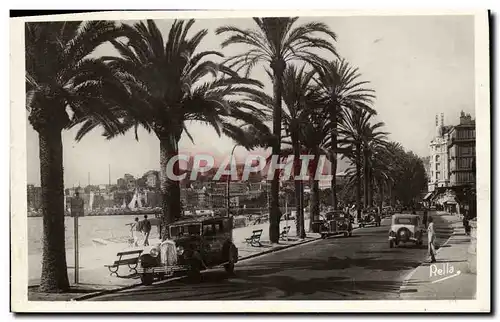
x=409, y=275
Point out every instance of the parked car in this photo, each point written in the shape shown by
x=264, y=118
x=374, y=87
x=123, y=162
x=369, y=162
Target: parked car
x=194, y=244
x=370, y=219
x=406, y=229
x=335, y=223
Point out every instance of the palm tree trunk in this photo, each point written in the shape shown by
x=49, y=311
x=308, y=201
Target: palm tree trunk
x=366, y=179
x=314, y=202
x=274, y=210
x=371, y=189
x=358, y=180
x=381, y=203
x=334, y=180
x=333, y=155
x=54, y=268
x=170, y=188
x=299, y=191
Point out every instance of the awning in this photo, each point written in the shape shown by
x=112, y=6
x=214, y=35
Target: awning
x=427, y=196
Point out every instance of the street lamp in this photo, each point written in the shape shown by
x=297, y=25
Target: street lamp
x=228, y=201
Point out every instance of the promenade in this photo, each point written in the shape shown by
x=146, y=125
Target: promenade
x=93, y=274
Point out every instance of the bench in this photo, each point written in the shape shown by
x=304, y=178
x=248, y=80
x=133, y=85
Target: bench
x=284, y=232
x=254, y=240
x=131, y=262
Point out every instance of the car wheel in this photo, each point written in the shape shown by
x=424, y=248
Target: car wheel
x=229, y=267
x=194, y=272
x=391, y=244
x=147, y=279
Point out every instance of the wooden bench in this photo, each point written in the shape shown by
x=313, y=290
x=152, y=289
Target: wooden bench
x=131, y=262
x=254, y=240
x=284, y=233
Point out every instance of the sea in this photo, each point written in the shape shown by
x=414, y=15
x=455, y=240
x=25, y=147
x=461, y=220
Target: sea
x=112, y=228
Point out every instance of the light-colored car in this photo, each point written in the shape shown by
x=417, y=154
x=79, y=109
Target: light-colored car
x=406, y=228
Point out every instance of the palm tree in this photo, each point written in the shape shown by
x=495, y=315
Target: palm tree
x=170, y=84
x=275, y=42
x=60, y=75
x=356, y=129
x=338, y=87
x=315, y=140
x=296, y=90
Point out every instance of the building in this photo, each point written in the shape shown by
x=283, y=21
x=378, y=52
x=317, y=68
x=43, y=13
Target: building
x=152, y=179
x=462, y=151
x=130, y=181
x=453, y=166
x=34, y=197
x=438, y=162
x=121, y=183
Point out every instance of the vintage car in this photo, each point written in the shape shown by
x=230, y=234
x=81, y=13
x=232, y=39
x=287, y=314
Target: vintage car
x=335, y=223
x=406, y=228
x=370, y=219
x=194, y=244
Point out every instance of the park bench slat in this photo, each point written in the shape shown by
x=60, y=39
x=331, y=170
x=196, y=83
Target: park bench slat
x=129, y=252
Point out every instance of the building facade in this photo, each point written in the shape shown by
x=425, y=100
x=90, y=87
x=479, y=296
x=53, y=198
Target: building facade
x=453, y=166
x=34, y=197
x=462, y=150
x=438, y=162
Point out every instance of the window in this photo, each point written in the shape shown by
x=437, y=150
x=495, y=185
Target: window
x=437, y=175
x=437, y=166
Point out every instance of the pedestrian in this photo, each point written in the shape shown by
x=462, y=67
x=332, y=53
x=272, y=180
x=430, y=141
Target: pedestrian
x=146, y=229
x=134, y=230
x=425, y=218
x=466, y=224
x=431, y=238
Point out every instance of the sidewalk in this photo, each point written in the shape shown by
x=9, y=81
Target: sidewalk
x=449, y=277
x=93, y=276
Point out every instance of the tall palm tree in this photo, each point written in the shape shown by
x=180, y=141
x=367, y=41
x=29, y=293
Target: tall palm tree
x=339, y=87
x=170, y=84
x=356, y=129
x=275, y=42
x=60, y=75
x=315, y=140
x=296, y=92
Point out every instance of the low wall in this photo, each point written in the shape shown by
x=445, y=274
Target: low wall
x=471, y=253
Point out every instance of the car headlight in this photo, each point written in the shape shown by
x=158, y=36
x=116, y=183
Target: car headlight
x=180, y=250
x=154, y=252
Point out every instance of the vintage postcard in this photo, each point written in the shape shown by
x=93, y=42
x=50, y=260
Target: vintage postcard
x=280, y=161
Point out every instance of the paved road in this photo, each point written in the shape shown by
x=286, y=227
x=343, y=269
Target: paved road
x=359, y=267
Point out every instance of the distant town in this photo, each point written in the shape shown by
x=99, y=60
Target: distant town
x=131, y=195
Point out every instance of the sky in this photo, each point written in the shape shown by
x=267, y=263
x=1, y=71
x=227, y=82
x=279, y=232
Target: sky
x=419, y=66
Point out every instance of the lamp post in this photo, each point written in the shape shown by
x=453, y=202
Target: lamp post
x=228, y=204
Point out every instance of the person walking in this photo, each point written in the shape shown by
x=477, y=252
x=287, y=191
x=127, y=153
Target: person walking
x=466, y=224
x=431, y=238
x=146, y=229
x=135, y=231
